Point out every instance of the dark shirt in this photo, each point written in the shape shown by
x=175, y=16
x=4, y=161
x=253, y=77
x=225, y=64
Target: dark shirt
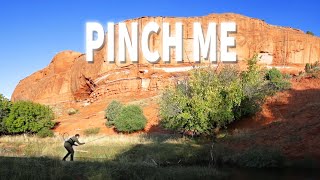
x=74, y=140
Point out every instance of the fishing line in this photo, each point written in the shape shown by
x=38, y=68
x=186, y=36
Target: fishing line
x=96, y=139
x=64, y=136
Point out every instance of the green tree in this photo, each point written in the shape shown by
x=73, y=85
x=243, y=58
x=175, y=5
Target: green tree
x=202, y=102
x=130, y=119
x=5, y=106
x=255, y=88
x=210, y=99
x=29, y=117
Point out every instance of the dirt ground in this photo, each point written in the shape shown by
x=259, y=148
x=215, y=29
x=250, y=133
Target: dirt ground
x=289, y=121
x=92, y=116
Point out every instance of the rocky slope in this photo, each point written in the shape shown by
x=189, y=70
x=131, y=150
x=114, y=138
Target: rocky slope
x=69, y=77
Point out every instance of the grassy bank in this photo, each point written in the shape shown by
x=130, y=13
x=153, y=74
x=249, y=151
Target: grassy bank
x=137, y=157
x=104, y=157
x=154, y=150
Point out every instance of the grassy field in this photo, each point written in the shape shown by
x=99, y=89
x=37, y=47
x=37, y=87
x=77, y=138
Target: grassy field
x=103, y=148
x=132, y=157
x=104, y=157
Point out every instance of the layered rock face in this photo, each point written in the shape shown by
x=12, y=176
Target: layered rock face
x=52, y=82
x=69, y=77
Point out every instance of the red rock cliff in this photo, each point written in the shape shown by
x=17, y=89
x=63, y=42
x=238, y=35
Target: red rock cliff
x=69, y=77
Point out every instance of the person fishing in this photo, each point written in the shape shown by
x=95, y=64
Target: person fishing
x=68, y=145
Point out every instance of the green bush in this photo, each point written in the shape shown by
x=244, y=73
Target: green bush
x=255, y=88
x=273, y=74
x=203, y=102
x=112, y=111
x=277, y=80
x=310, y=33
x=312, y=68
x=29, y=117
x=307, y=68
x=45, y=132
x=287, y=76
x=5, y=106
x=130, y=119
x=209, y=100
x=91, y=131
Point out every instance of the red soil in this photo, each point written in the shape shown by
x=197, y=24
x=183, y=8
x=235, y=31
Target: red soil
x=92, y=116
x=289, y=120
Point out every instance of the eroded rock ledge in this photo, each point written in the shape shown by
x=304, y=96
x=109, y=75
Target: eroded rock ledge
x=70, y=78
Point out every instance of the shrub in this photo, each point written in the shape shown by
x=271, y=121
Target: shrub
x=5, y=106
x=315, y=65
x=29, y=117
x=91, y=131
x=287, y=76
x=112, y=111
x=209, y=100
x=203, y=102
x=311, y=68
x=277, y=80
x=72, y=111
x=310, y=33
x=255, y=88
x=130, y=119
x=45, y=132
x=273, y=74
x=307, y=68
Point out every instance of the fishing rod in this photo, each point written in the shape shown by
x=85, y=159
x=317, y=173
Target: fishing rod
x=65, y=137
x=96, y=139
x=83, y=151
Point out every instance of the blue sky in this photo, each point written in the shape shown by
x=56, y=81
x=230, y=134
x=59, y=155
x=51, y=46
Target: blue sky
x=32, y=32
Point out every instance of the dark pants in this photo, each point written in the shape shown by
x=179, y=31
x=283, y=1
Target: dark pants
x=70, y=150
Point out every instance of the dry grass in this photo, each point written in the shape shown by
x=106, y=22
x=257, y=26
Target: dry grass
x=122, y=157
x=96, y=146
x=119, y=156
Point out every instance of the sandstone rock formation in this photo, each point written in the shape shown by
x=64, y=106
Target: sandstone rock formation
x=69, y=77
